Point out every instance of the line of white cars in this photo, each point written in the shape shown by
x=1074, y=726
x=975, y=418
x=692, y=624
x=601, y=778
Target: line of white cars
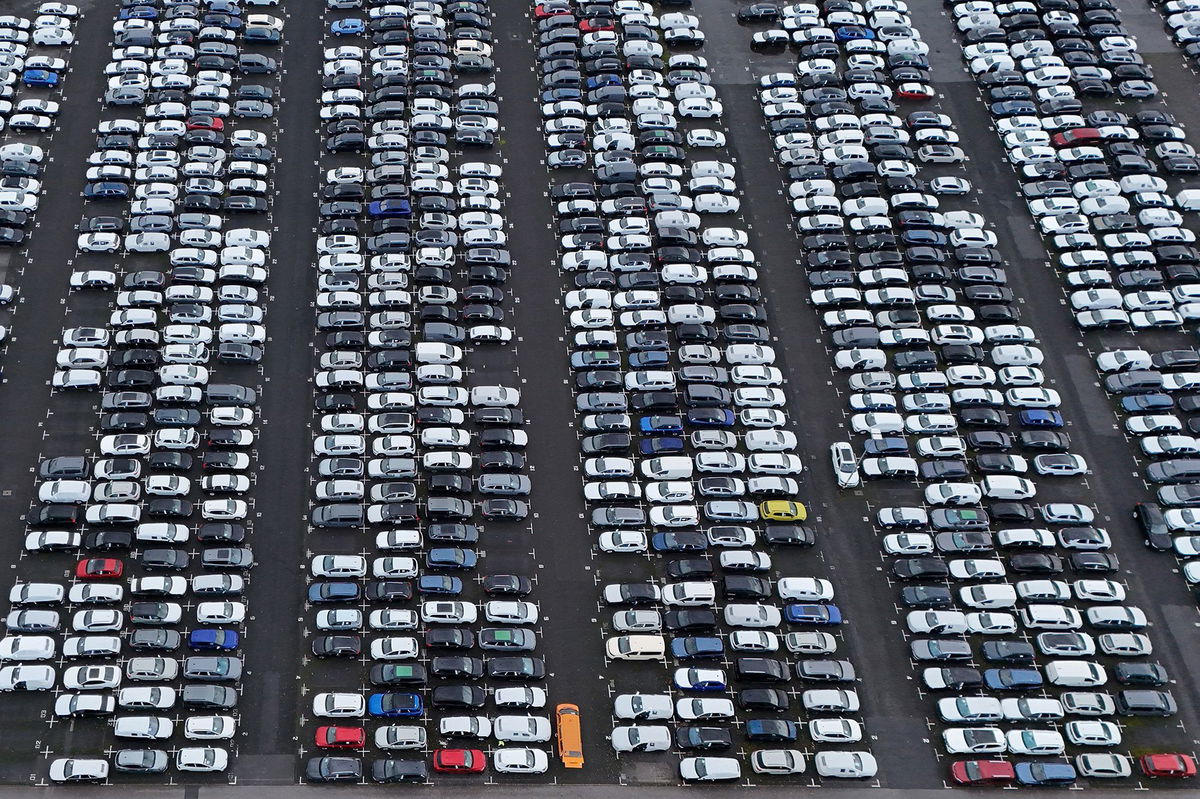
x=1095, y=184
x=624, y=307
x=966, y=383
x=53, y=27
x=403, y=445
x=152, y=363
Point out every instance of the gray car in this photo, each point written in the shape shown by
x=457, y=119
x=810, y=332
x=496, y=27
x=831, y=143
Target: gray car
x=141, y=761
x=209, y=696
x=508, y=485
x=212, y=669
x=253, y=109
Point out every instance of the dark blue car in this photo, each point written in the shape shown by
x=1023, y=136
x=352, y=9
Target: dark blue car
x=451, y=558
x=607, y=79
x=395, y=704
x=439, y=584
x=1030, y=773
x=667, y=425
x=821, y=615
x=771, y=730
x=209, y=639
x=138, y=12
x=650, y=359
x=1147, y=402
x=660, y=446
x=1040, y=418
x=392, y=207
x=710, y=417
x=333, y=592
x=1013, y=679
x=39, y=77
x=678, y=542
x=557, y=95
x=106, y=189
x=697, y=648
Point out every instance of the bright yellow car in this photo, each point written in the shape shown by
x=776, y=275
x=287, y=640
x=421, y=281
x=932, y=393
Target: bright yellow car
x=783, y=510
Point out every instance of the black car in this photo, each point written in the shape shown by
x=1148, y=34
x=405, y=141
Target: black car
x=333, y=769
x=449, y=638
x=696, y=738
x=387, y=771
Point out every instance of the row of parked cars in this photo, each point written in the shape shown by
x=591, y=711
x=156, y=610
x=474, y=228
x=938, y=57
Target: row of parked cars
x=409, y=447
x=23, y=64
x=175, y=431
x=901, y=317
x=686, y=447
x=27, y=106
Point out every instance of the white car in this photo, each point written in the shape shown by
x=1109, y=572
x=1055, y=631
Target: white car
x=533, y=729
x=201, y=758
x=845, y=764
x=520, y=760
x=339, y=705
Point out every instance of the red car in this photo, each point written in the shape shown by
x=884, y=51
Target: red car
x=1069, y=138
x=914, y=91
x=542, y=12
x=982, y=772
x=596, y=24
x=330, y=737
x=205, y=122
x=462, y=761
x=99, y=569
x=1168, y=765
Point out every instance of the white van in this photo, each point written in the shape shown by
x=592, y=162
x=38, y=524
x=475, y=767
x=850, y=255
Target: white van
x=72, y=491
x=27, y=647
x=1188, y=200
x=1075, y=673
x=636, y=647
x=677, y=467
x=1007, y=487
x=435, y=352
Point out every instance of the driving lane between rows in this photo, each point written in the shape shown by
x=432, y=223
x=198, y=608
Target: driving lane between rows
x=271, y=702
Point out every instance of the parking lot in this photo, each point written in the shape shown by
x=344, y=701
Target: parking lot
x=767, y=388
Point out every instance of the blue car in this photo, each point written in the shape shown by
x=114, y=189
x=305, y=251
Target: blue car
x=138, y=12
x=259, y=33
x=1040, y=418
x=1013, y=679
x=822, y=615
x=106, y=189
x=347, y=27
x=223, y=640
x=451, y=558
x=333, y=592
x=678, y=542
x=607, y=79
x=393, y=207
x=661, y=424
x=701, y=679
x=848, y=33
x=395, y=704
x=771, y=730
x=1029, y=773
x=39, y=77
x=660, y=446
x=439, y=584
x=710, y=417
x=1147, y=402
x=695, y=647
x=650, y=359
x=557, y=95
